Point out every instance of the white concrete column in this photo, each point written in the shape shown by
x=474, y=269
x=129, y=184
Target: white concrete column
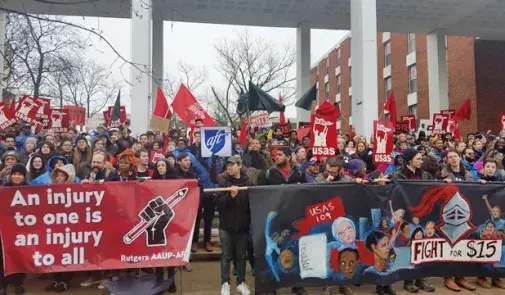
x=438, y=79
x=302, y=67
x=157, y=55
x=140, y=74
x=364, y=65
x=2, y=49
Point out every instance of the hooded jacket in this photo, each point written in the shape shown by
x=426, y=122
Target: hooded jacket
x=67, y=169
x=46, y=177
x=198, y=168
x=234, y=213
x=394, y=166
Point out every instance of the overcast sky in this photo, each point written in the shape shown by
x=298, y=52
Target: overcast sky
x=192, y=43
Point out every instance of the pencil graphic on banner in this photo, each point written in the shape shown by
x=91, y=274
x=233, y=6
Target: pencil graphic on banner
x=139, y=229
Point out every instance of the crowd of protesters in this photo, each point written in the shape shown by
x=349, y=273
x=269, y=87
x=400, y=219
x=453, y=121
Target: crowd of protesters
x=267, y=157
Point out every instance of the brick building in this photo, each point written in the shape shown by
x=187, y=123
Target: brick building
x=475, y=70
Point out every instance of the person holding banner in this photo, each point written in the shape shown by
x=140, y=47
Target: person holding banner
x=61, y=280
x=234, y=221
x=17, y=177
x=283, y=173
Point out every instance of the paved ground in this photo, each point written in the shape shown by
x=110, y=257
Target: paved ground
x=205, y=280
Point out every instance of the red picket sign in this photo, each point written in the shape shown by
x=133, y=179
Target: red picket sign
x=411, y=120
x=114, y=225
x=59, y=120
x=384, y=141
x=440, y=123
x=27, y=109
x=43, y=111
x=7, y=118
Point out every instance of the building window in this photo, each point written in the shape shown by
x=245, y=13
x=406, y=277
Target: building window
x=387, y=53
x=411, y=40
x=388, y=86
x=413, y=110
x=350, y=76
x=350, y=106
x=339, y=82
x=327, y=66
x=327, y=90
x=339, y=108
x=412, y=79
x=338, y=57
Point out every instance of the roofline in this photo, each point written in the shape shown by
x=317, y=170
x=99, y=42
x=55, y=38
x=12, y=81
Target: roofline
x=325, y=56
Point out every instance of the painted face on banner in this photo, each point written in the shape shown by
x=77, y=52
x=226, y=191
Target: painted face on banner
x=348, y=263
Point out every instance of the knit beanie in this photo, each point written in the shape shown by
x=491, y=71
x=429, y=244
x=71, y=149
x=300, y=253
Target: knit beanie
x=355, y=165
x=409, y=154
x=18, y=168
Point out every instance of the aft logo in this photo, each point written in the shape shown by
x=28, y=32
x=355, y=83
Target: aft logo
x=216, y=141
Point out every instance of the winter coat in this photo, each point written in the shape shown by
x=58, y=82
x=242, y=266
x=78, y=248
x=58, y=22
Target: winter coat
x=234, y=212
x=68, y=169
x=274, y=176
x=46, y=177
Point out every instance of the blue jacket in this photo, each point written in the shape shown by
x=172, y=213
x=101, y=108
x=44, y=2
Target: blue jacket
x=21, y=140
x=471, y=168
x=198, y=168
x=393, y=167
x=46, y=177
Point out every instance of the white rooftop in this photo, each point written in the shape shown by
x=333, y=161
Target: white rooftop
x=482, y=18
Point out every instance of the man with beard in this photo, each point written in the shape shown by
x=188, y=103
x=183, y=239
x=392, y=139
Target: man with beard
x=278, y=134
x=333, y=171
x=468, y=161
x=283, y=173
x=98, y=174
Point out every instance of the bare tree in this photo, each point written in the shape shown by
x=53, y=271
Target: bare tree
x=192, y=76
x=35, y=48
x=247, y=58
x=84, y=83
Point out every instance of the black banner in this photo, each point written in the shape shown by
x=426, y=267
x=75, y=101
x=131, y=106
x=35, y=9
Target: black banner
x=348, y=233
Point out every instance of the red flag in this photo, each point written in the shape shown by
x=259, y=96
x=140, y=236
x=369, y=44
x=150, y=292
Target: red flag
x=464, y=112
x=390, y=106
x=282, y=118
x=189, y=110
x=161, y=108
x=243, y=133
x=337, y=109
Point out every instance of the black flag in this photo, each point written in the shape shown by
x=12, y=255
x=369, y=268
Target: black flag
x=115, y=116
x=305, y=102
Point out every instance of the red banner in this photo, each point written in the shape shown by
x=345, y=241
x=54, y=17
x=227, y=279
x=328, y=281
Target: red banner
x=6, y=116
x=59, y=120
x=411, y=120
x=440, y=123
x=189, y=110
x=323, y=138
x=502, y=120
x=384, y=141
x=77, y=115
x=114, y=225
x=108, y=112
x=27, y=109
x=43, y=111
